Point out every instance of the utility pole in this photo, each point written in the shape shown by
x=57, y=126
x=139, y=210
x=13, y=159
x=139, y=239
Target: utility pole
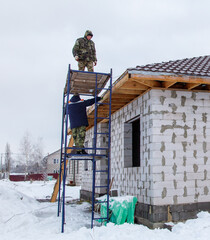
x=1, y=168
x=1, y=164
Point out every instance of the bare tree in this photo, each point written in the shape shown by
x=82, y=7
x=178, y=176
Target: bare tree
x=26, y=150
x=37, y=156
x=31, y=154
x=8, y=159
x=2, y=167
x=38, y=151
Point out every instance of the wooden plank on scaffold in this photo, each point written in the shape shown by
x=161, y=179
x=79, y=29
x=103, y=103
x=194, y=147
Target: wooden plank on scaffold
x=56, y=187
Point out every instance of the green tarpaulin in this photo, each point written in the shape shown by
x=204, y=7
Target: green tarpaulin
x=121, y=209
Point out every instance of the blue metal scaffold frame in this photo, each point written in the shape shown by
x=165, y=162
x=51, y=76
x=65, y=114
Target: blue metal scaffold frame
x=94, y=156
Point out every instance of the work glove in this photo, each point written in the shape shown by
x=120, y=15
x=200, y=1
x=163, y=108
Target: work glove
x=76, y=58
x=95, y=63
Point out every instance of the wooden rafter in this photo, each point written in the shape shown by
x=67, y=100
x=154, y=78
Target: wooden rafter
x=130, y=85
x=146, y=82
x=190, y=86
x=168, y=84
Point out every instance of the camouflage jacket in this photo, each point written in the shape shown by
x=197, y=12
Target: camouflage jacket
x=85, y=49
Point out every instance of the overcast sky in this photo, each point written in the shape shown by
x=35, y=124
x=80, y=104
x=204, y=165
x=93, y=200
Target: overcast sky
x=36, y=40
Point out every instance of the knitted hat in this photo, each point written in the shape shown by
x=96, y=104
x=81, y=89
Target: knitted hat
x=75, y=98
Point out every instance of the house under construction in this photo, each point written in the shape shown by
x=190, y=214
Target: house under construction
x=160, y=140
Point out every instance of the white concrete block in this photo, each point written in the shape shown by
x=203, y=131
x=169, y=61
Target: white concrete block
x=159, y=201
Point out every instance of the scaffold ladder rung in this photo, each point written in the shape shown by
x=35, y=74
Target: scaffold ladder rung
x=101, y=170
x=101, y=186
x=102, y=133
x=102, y=118
x=100, y=202
x=100, y=218
x=101, y=103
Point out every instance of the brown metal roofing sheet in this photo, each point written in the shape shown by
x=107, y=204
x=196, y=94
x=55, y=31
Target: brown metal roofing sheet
x=196, y=66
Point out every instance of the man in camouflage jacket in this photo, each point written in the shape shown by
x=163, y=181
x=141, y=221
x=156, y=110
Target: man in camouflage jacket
x=84, y=52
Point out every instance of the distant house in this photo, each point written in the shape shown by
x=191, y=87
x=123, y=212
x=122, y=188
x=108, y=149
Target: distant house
x=52, y=167
x=160, y=141
x=53, y=162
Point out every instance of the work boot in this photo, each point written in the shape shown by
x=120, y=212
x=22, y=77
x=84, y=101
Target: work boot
x=74, y=151
x=84, y=152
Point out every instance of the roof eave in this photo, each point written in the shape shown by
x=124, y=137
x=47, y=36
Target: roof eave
x=163, y=76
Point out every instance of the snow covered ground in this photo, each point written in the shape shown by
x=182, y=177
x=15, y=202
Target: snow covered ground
x=22, y=217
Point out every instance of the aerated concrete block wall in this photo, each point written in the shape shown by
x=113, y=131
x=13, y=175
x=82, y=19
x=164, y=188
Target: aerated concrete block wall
x=131, y=180
x=180, y=156
x=175, y=148
x=86, y=165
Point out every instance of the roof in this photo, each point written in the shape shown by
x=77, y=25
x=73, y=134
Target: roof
x=189, y=74
x=51, y=154
x=196, y=66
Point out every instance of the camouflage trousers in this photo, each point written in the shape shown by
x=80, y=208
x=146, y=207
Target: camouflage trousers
x=83, y=64
x=79, y=136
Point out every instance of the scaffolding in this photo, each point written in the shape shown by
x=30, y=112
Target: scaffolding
x=86, y=84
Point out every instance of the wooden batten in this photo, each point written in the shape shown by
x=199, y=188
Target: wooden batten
x=124, y=96
x=173, y=78
x=128, y=91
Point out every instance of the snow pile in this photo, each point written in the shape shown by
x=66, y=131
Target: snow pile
x=41, y=189
x=120, y=199
x=22, y=217
x=13, y=202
